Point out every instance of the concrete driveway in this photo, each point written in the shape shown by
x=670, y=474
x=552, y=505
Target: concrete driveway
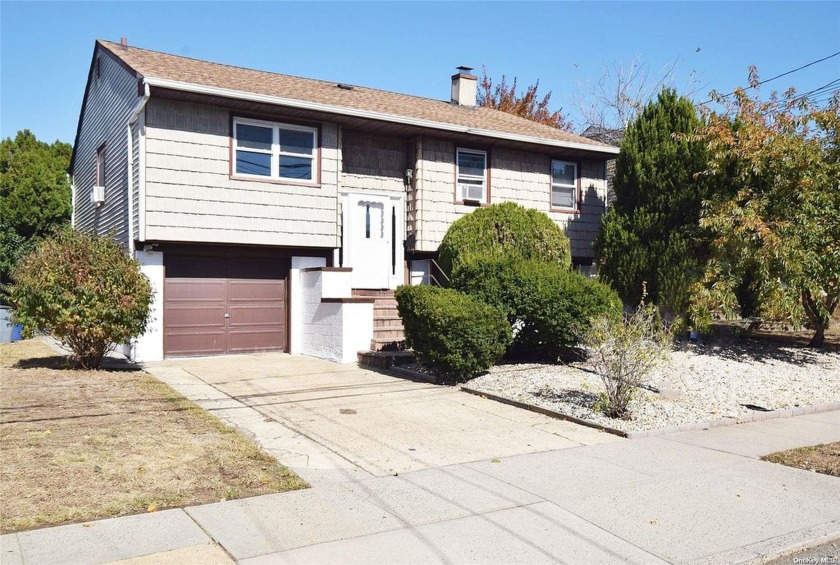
x=476, y=482
x=371, y=422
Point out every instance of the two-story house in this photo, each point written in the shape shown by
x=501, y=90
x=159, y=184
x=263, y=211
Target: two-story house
x=263, y=206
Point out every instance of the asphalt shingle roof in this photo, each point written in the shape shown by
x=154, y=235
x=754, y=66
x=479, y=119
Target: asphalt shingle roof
x=154, y=64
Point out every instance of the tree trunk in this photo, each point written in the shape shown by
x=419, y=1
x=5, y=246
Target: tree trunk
x=817, y=318
x=819, y=337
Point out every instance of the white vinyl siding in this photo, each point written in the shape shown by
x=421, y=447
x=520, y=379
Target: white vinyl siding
x=471, y=174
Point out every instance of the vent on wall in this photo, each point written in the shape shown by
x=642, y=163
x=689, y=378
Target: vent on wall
x=97, y=195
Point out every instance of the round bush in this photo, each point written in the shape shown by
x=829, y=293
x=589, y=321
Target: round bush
x=549, y=308
x=84, y=290
x=452, y=333
x=503, y=230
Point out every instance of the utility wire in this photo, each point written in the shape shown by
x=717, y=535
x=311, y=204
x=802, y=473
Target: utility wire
x=783, y=74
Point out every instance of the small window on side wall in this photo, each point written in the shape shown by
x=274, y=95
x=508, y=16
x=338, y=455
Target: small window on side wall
x=564, y=185
x=100, y=167
x=471, y=175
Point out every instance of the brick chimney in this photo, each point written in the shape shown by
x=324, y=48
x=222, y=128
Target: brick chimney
x=124, y=42
x=464, y=87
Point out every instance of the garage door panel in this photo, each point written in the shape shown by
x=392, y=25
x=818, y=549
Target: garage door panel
x=196, y=343
x=255, y=340
x=254, y=291
x=256, y=315
x=183, y=317
x=195, y=290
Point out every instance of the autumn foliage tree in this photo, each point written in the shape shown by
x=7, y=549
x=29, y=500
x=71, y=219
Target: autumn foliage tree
x=527, y=104
x=782, y=228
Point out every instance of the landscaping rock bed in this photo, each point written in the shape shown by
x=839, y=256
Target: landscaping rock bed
x=730, y=378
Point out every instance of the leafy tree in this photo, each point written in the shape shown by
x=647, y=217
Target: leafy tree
x=783, y=226
x=84, y=290
x=504, y=230
x=34, y=193
x=34, y=187
x=504, y=97
x=650, y=237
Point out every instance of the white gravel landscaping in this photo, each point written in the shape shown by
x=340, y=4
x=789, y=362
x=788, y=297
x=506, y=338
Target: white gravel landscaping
x=700, y=383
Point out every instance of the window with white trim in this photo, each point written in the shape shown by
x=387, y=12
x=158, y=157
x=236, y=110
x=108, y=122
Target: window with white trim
x=100, y=166
x=564, y=185
x=274, y=150
x=471, y=174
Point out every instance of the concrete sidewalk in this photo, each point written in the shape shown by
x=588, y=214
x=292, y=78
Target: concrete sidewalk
x=696, y=497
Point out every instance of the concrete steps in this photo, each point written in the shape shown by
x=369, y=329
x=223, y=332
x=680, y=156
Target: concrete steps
x=388, y=332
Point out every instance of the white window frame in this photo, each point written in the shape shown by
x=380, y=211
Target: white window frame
x=460, y=190
x=560, y=185
x=100, y=164
x=276, y=151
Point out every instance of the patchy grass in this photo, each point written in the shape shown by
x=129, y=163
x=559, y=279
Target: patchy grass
x=78, y=445
x=823, y=458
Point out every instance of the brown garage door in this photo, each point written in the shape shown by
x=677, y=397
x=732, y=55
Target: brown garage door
x=217, y=305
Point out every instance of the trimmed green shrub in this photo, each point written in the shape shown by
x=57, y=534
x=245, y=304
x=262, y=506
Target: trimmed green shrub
x=503, y=230
x=549, y=308
x=452, y=333
x=84, y=290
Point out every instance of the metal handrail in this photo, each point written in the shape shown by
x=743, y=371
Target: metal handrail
x=433, y=279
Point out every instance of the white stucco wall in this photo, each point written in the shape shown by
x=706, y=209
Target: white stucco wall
x=335, y=331
x=149, y=346
x=296, y=295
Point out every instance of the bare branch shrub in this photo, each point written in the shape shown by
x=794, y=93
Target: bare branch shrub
x=624, y=351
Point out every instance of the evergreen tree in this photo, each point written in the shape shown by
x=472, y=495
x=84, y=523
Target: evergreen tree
x=34, y=194
x=650, y=239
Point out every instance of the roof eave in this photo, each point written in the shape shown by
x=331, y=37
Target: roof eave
x=368, y=114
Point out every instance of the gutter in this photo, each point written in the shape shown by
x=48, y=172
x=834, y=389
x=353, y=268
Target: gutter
x=379, y=116
x=135, y=114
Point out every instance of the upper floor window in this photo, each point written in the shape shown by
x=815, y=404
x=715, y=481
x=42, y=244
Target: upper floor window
x=274, y=150
x=100, y=167
x=471, y=174
x=564, y=190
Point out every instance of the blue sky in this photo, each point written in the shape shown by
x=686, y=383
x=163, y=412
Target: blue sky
x=411, y=47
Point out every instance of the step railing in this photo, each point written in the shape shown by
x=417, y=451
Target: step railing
x=435, y=268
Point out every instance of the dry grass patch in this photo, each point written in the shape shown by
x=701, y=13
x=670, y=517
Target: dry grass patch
x=78, y=445
x=823, y=458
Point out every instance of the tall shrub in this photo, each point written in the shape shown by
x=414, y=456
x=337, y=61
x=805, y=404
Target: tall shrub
x=503, y=230
x=548, y=308
x=454, y=334
x=84, y=290
x=651, y=235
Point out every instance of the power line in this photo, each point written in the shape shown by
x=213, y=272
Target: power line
x=800, y=68
x=805, y=66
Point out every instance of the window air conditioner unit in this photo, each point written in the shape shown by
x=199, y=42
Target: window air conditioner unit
x=97, y=195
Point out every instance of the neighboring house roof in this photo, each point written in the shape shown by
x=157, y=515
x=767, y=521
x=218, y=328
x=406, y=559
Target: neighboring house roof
x=604, y=135
x=183, y=73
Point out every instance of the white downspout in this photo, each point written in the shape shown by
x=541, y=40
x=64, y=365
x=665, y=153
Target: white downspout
x=131, y=120
x=135, y=114
x=72, y=180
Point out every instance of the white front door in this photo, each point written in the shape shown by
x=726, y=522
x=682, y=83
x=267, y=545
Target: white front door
x=373, y=236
